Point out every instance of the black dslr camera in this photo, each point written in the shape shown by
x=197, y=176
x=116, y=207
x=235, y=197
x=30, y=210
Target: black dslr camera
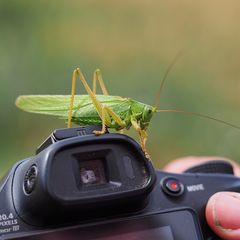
x=82, y=186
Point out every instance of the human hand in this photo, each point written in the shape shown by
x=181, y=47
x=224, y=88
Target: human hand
x=223, y=208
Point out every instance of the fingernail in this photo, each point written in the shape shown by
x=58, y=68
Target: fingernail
x=226, y=210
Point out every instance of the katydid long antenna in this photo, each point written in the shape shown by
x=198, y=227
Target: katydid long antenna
x=181, y=111
x=199, y=115
x=171, y=65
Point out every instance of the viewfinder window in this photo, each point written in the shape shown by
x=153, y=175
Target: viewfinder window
x=92, y=172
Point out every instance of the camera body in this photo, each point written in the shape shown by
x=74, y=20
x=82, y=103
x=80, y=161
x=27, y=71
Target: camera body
x=103, y=187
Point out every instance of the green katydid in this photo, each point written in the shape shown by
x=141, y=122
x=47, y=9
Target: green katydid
x=110, y=111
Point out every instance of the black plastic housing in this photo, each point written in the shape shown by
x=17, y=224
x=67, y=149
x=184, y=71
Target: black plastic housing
x=130, y=178
x=46, y=194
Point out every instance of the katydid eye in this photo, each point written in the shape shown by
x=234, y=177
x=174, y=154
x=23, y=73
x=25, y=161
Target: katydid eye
x=149, y=111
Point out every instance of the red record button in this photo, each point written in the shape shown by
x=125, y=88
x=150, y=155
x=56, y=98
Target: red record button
x=172, y=186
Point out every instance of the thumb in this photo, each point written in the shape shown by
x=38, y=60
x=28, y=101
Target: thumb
x=223, y=215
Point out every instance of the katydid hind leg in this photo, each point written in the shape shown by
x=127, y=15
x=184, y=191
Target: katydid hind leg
x=104, y=112
x=109, y=113
x=77, y=72
x=103, y=117
x=74, y=77
x=95, y=101
x=97, y=77
x=97, y=104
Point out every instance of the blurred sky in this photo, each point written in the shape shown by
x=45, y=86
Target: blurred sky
x=133, y=43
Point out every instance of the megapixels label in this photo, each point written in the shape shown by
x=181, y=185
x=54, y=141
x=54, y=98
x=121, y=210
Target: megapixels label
x=8, y=223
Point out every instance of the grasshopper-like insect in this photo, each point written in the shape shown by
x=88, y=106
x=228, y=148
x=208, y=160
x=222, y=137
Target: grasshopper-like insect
x=110, y=111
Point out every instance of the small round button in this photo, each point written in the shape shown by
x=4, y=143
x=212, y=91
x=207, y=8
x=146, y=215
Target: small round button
x=172, y=186
x=30, y=179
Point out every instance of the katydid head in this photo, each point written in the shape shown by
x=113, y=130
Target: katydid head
x=147, y=114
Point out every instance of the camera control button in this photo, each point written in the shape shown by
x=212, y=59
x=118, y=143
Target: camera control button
x=172, y=186
x=30, y=179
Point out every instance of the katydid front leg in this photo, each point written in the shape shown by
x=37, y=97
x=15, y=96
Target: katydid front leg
x=142, y=136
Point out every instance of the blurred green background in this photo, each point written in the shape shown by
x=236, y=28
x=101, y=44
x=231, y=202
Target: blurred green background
x=132, y=42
